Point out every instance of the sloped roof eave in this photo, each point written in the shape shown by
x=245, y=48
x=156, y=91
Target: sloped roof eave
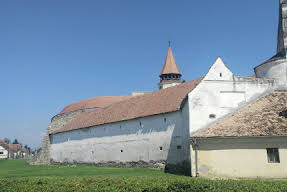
x=253, y=119
x=159, y=102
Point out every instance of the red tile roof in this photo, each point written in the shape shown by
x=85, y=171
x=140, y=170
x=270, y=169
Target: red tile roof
x=5, y=145
x=261, y=118
x=170, y=66
x=97, y=102
x=14, y=147
x=158, y=102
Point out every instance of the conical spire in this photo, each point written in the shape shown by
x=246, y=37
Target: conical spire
x=170, y=74
x=282, y=29
x=170, y=66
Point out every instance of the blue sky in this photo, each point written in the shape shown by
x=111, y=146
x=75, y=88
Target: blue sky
x=56, y=52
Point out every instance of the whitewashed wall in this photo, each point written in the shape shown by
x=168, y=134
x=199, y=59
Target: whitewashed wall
x=240, y=157
x=276, y=69
x=5, y=153
x=221, y=93
x=127, y=141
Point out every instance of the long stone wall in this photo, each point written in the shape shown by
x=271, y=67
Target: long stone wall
x=158, y=138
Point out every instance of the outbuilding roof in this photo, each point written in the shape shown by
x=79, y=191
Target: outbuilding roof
x=265, y=117
x=158, y=102
x=96, y=102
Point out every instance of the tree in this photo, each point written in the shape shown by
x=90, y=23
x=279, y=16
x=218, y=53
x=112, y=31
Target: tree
x=15, y=141
x=6, y=140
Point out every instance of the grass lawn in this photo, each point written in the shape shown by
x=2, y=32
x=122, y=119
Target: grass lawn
x=18, y=176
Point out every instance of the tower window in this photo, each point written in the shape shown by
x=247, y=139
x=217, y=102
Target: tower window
x=273, y=155
x=220, y=74
x=160, y=148
x=122, y=151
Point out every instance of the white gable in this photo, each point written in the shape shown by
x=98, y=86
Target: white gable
x=219, y=71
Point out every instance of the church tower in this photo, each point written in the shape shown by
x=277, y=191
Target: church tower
x=170, y=74
x=276, y=67
x=282, y=29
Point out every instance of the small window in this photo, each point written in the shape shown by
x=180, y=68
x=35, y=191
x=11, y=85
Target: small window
x=273, y=155
x=1, y=152
x=178, y=147
x=122, y=151
x=141, y=125
x=120, y=126
x=212, y=116
x=160, y=148
x=164, y=120
x=220, y=74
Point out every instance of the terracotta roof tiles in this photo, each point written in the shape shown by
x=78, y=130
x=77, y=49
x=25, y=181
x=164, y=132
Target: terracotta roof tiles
x=158, y=102
x=97, y=102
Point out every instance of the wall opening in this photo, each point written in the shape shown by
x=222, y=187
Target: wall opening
x=160, y=148
x=178, y=147
x=273, y=155
x=212, y=116
x=220, y=74
x=122, y=151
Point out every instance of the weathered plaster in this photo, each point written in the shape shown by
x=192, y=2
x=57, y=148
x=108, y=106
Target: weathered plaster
x=220, y=93
x=276, y=70
x=240, y=157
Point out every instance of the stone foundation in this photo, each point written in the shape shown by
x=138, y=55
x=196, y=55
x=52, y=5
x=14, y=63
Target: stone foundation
x=140, y=164
x=178, y=169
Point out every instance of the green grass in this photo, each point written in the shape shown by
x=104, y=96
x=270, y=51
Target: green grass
x=20, y=168
x=17, y=175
